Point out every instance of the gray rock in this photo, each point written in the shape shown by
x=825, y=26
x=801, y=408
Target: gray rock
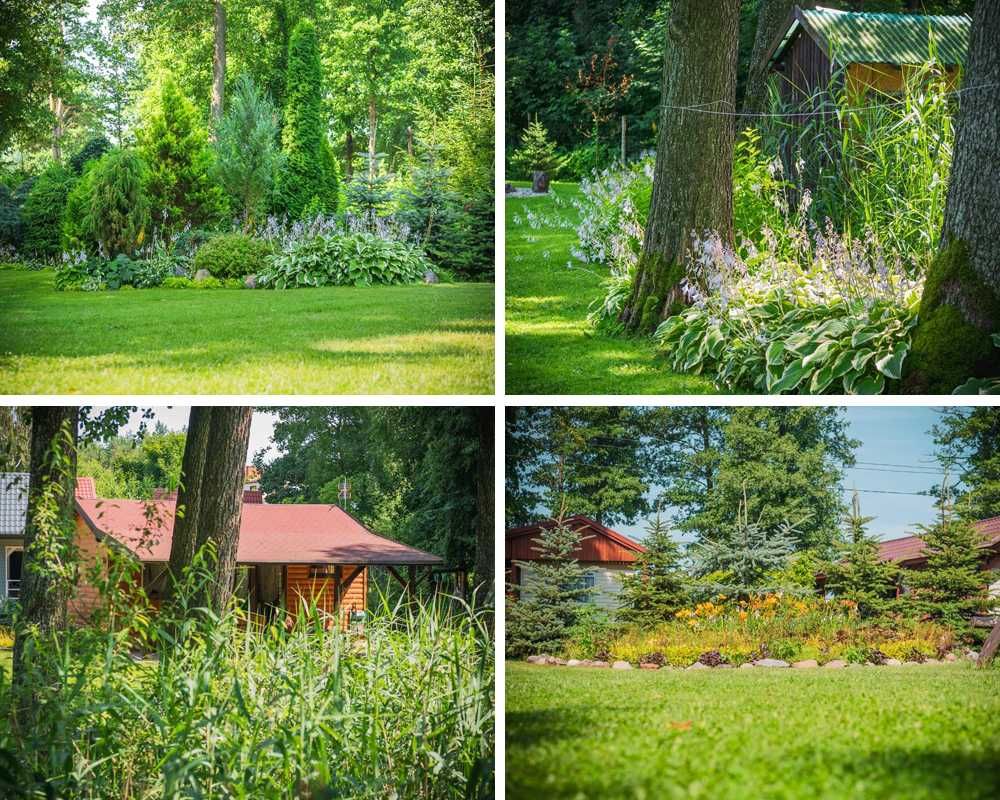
x=770, y=662
x=972, y=655
x=621, y=665
x=698, y=665
x=725, y=666
x=746, y=665
x=648, y=665
x=950, y=657
x=180, y=271
x=202, y=274
x=599, y=664
x=574, y=662
x=835, y=664
x=539, y=182
x=893, y=662
x=430, y=276
x=809, y=663
x=931, y=661
x=250, y=281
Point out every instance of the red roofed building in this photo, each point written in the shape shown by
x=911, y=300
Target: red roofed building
x=605, y=555
x=287, y=555
x=908, y=551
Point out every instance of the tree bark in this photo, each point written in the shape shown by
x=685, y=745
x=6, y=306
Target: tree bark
x=771, y=19
x=960, y=306
x=372, y=129
x=485, y=506
x=990, y=647
x=185, y=536
x=692, y=181
x=49, y=531
x=222, y=496
x=219, y=61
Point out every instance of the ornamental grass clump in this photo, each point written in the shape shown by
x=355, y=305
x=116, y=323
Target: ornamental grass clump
x=181, y=703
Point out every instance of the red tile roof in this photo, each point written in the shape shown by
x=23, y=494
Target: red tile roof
x=85, y=488
x=253, y=496
x=911, y=548
x=269, y=534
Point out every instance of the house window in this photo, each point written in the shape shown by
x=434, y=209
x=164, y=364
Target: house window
x=15, y=561
x=586, y=581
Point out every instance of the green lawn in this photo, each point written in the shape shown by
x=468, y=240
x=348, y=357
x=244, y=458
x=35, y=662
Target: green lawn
x=908, y=733
x=550, y=348
x=343, y=340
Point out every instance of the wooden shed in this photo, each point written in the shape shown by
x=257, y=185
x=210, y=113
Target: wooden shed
x=871, y=50
x=605, y=555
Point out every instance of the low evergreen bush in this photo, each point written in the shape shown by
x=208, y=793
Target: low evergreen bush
x=232, y=255
x=42, y=213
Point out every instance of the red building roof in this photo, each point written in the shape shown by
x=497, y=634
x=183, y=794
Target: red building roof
x=910, y=549
x=269, y=534
x=85, y=488
x=599, y=544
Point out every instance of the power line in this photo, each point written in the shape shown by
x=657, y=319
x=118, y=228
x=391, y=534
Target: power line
x=886, y=491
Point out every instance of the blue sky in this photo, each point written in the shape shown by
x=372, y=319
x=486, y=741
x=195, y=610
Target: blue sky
x=890, y=435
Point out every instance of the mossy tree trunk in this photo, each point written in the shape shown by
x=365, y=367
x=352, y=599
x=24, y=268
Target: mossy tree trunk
x=960, y=306
x=692, y=182
x=49, y=555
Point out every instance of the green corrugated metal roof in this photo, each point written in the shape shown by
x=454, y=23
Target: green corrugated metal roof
x=865, y=37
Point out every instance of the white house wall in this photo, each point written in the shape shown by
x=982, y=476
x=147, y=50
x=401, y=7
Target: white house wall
x=607, y=583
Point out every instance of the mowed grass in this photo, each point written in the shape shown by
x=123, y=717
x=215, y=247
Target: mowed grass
x=550, y=348
x=922, y=732
x=340, y=340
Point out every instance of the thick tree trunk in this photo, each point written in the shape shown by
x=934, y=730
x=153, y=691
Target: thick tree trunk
x=185, y=536
x=692, y=182
x=58, y=109
x=46, y=580
x=771, y=19
x=219, y=61
x=372, y=129
x=960, y=307
x=485, y=506
x=989, y=647
x=222, y=496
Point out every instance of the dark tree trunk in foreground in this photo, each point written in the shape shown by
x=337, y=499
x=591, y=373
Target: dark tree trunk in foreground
x=212, y=494
x=219, y=61
x=46, y=580
x=771, y=20
x=185, y=536
x=485, y=506
x=960, y=307
x=692, y=183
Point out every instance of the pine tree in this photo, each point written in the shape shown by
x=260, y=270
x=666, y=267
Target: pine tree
x=246, y=148
x=746, y=554
x=861, y=576
x=659, y=586
x=550, y=595
x=174, y=145
x=536, y=153
x=309, y=180
x=951, y=587
x=117, y=212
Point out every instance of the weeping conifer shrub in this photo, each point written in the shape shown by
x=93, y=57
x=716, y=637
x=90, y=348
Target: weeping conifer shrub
x=117, y=214
x=309, y=182
x=224, y=706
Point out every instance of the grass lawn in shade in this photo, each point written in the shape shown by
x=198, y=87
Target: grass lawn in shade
x=870, y=733
x=336, y=340
x=550, y=347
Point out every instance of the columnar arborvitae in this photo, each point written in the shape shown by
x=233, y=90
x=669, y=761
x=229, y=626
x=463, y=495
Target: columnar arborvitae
x=118, y=210
x=174, y=145
x=309, y=180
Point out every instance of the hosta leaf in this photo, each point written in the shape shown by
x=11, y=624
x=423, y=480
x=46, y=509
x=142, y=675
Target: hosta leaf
x=790, y=378
x=891, y=364
x=870, y=384
x=817, y=355
x=775, y=353
x=865, y=334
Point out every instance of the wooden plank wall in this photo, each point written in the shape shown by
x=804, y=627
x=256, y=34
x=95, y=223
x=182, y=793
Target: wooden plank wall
x=300, y=589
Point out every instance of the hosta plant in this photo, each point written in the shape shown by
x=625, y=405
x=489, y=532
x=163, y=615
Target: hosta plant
x=358, y=259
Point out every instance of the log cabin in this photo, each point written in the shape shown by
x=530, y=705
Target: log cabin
x=287, y=557
x=605, y=555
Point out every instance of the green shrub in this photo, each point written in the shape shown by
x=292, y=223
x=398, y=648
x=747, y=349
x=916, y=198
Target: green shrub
x=92, y=149
x=174, y=144
x=186, y=243
x=42, y=213
x=536, y=153
x=356, y=259
x=79, y=274
x=10, y=219
x=233, y=255
x=78, y=223
x=119, y=205
x=154, y=270
x=178, y=282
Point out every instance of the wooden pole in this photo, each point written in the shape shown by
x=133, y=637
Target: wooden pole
x=411, y=582
x=624, y=127
x=989, y=647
